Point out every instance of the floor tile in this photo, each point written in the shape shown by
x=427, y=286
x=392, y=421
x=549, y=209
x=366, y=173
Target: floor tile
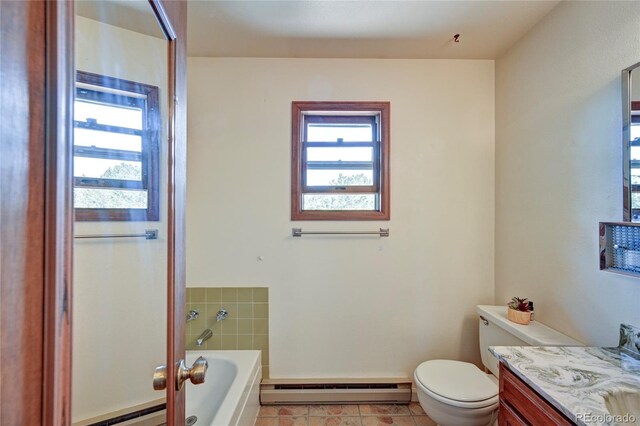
x=266, y=421
x=416, y=409
x=387, y=420
x=282, y=421
x=268, y=411
x=384, y=409
x=292, y=421
x=293, y=410
x=334, y=410
x=334, y=421
x=424, y=421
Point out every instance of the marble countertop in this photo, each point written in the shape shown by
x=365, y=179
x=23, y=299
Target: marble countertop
x=575, y=380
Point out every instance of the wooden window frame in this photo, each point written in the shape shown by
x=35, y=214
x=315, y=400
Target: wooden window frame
x=381, y=185
x=149, y=157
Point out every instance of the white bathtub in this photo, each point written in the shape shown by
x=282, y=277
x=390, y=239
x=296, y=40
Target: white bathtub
x=230, y=394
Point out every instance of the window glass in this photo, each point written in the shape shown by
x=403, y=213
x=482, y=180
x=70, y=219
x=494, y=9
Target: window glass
x=340, y=154
x=107, y=169
x=339, y=201
x=108, y=140
x=317, y=132
x=116, y=138
x=93, y=198
x=339, y=177
x=112, y=115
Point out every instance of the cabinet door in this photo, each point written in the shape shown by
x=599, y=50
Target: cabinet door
x=508, y=417
x=527, y=403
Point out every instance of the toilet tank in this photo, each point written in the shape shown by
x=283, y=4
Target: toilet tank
x=497, y=330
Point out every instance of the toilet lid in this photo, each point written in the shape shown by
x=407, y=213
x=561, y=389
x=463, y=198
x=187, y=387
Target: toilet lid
x=456, y=380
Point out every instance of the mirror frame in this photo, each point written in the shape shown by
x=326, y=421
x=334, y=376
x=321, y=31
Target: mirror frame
x=626, y=143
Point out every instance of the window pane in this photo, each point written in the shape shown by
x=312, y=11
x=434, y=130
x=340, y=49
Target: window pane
x=339, y=177
x=340, y=154
x=108, y=114
x=634, y=131
x=332, y=132
x=93, y=198
x=109, y=140
x=339, y=202
x=107, y=169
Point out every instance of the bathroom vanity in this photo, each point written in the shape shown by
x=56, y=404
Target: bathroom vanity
x=521, y=405
x=568, y=385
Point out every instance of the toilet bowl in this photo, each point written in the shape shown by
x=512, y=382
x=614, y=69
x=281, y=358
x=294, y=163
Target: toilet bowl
x=456, y=393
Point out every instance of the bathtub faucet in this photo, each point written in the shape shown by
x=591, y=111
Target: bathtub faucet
x=206, y=335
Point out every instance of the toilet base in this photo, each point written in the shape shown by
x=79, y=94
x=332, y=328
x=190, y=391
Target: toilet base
x=447, y=415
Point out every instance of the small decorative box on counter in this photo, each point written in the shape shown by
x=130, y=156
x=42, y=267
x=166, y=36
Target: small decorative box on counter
x=620, y=247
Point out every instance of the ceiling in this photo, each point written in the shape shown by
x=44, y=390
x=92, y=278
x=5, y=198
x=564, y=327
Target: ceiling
x=359, y=28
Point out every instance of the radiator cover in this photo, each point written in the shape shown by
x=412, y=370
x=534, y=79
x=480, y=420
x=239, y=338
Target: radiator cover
x=335, y=391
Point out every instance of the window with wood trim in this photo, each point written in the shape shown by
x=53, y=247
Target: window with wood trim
x=116, y=149
x=340, y=161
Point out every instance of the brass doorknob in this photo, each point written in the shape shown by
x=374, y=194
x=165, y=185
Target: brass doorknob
x=160, y=378
x=196, y=373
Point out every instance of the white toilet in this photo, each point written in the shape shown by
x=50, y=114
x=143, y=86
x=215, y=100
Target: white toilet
x=456, y=393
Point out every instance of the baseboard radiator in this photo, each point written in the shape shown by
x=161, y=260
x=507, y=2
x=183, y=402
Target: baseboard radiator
x=335, y=391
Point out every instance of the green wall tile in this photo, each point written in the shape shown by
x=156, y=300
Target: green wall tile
x=245, y=326
x=230, y=294
x=214, y=295
x=228, y=326
x=260, y=326
x=245, y=342
x=245, y=295
x=198, y=295
x=261, y=310
x=261, y=294
x=245, y=310
x=229, y=342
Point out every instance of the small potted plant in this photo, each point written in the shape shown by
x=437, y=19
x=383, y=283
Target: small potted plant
x=518, y=311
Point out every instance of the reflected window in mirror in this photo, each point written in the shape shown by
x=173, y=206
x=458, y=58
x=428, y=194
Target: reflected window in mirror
x=116, y=149
x=634, y=159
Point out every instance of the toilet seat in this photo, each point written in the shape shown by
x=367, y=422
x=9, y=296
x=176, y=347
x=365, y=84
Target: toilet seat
x=457, y=383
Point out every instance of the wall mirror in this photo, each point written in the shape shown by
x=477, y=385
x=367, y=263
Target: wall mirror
x=631, y=143
x=121, y=148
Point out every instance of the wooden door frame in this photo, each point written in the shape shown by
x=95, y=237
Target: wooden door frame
x=37, y=214
x=173, y=17
x=35, y=350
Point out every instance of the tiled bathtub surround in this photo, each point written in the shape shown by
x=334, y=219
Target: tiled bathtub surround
x=246, y=327
x=343, y=415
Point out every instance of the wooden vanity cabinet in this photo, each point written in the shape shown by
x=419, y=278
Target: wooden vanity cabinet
x=522, y=406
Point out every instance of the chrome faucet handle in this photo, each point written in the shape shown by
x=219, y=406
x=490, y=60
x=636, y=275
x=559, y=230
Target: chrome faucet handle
x=193, y=314
x=222, y=315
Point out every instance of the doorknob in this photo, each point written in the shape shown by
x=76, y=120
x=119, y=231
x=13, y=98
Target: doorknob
x=160, y=378
x=196, y=374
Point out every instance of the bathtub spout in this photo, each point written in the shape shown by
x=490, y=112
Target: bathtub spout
x=206, y=335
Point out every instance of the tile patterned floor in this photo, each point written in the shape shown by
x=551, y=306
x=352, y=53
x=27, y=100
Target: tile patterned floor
x=343, y=415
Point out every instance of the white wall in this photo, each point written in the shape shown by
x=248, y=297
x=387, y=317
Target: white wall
x=347, y=306
x=558, y=167
x=119, y=300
